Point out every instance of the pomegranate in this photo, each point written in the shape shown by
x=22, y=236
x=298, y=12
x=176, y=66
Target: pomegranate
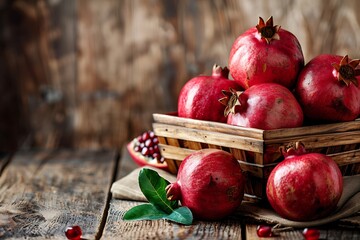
x=210, y=183
x=328, y=89
x=264, y=106
x=198, y=98
x=144, y=150
x=304, y=186
x=266, y=53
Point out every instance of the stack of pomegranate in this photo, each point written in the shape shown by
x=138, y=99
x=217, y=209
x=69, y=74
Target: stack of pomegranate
x=271, y=89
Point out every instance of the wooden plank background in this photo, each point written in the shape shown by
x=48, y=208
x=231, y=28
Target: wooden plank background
x=89, y=74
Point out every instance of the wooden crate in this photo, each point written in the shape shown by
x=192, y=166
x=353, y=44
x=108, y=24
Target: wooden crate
x=179, y=137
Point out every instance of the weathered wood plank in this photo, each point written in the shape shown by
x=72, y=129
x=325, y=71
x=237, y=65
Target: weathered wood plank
x=116, y=228
x=43, y=192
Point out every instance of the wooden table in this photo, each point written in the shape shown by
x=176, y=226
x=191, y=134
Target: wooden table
x=44, y=192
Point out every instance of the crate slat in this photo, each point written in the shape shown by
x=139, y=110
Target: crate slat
x=208, y=137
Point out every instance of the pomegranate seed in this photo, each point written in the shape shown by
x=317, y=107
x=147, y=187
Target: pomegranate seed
x=137, y=149
x=264, y=231
x=156, y=156
x=145, y=136
x=73, y=233
x=139, y=139
x=155, y=140
x=148, y=143
x=156, y=149
x=151, y=151
x=151, y=134
x=145, y=151
x=311, y=234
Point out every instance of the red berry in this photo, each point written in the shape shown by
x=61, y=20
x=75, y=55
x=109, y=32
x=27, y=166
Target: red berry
x=264, y=231
x=311, y=234
x=73, y=233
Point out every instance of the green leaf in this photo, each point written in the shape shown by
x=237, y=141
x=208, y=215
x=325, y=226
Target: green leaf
x=145, y=211
x=181, y=215
x=153, y=187
x=148, y=211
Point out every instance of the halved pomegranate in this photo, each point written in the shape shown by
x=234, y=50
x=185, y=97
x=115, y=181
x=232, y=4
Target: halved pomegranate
x=144, y=150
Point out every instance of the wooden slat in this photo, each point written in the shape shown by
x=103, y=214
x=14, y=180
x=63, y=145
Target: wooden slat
x=310, y=130
x=322, y=140
x=176, y=153
x=41, y=193
x=345, y=158
x=257, y=133
x=203, y=136
x=207, y=125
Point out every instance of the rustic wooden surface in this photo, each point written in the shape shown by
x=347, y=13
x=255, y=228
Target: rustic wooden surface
x=89, y=74
x=43, y=192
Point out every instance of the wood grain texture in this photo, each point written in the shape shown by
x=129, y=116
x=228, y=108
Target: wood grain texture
x=116, y=228
x=43, y=192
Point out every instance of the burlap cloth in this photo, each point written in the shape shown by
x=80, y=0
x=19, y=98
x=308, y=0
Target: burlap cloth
x=346, y=214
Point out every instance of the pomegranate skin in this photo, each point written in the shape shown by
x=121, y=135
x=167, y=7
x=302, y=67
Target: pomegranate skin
x=305, y=187
x=210, y=183
x=322, y=96
x=267, y=106
x=198, y=98
x=253, y=60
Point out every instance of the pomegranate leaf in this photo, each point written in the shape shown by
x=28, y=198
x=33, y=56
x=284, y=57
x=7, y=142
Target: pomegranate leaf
x=153, y=187
x=148, y=211
x=181, y=215
x=145, y=211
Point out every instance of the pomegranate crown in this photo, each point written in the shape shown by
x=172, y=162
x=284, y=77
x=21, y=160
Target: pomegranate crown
x=267, y=29
x=232, y=100
x=347, y=70
x=218, y=71
x=293, y=149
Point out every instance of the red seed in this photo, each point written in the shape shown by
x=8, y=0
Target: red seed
x=73, y=233
x=264, y=231
x=145, y=136
x=148, y=143
x=151, y=134
x=145, y=151
x=155, y=140
x=311, y=234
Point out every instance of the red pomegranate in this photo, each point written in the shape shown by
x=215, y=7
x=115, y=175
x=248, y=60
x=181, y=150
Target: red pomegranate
x=209, y=182
x=328, y=89
x=264, y=106
x=266, y=53
x=144, y=150
x=198, y=99
x=304, y=186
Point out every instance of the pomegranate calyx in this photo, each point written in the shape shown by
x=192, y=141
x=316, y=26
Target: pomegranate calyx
x=293, y=149
x=218, y=71
x=173, y=191
x=267, y=29
x=233, y=100
x=347, y=70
